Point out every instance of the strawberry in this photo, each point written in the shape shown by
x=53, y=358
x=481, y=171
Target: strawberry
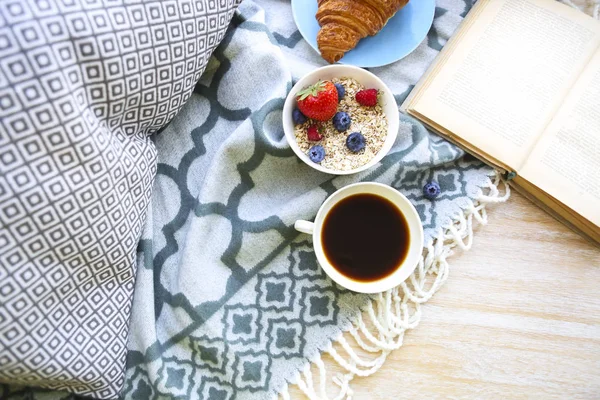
x=367, y=97
x=313, y=133
x=318, y=101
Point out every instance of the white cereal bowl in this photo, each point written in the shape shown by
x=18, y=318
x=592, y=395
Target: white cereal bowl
x=368, y=80
x=415, y=228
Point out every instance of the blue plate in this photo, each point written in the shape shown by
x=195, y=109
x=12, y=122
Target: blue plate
x=401, y=35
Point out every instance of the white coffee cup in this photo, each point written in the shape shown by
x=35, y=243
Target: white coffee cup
x=411, y=216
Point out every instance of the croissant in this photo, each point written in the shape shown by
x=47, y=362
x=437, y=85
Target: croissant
x=345, y=22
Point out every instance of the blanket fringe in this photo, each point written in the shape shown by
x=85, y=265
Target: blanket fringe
x=381, y=327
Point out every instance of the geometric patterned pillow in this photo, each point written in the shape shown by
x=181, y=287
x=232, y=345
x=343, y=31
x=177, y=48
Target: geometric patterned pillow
x=83, y=85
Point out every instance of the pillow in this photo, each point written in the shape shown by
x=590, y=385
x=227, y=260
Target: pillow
x=83, y=85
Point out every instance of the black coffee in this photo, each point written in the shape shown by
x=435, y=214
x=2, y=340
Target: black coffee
x=365, y=237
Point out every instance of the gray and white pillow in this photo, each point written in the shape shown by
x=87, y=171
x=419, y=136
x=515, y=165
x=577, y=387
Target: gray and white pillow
x=83, y=85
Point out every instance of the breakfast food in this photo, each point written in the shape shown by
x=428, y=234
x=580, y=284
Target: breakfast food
x=316, y=153
x=341, y=91
x=365, y=237
x=298, y=117
x=344, y=22
x=341, y=121
x=431, y=190
x=313, y=134
x=351, y=137
x=318, y=101
x=367, y=97
x=355, y=142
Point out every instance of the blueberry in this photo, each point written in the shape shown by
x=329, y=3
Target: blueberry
x=431, y=190
x=341, y=121
x=341, y=90
x=298, y=117
x=355, y=142
x=316, y=153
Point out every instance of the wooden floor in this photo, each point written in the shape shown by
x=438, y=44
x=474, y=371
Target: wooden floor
x=519, y=317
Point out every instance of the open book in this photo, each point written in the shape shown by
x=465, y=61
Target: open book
x=519, y=86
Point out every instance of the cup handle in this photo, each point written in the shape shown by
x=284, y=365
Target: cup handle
x=304, y=226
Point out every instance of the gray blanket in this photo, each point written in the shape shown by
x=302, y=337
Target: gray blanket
x=229, y=300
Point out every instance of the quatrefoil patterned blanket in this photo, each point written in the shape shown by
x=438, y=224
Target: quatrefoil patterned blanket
x=229, y=301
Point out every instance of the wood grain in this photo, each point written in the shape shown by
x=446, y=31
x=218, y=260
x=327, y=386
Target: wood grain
x=519, y=317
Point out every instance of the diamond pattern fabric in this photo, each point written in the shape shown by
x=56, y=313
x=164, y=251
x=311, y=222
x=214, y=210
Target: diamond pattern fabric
x=83, y=85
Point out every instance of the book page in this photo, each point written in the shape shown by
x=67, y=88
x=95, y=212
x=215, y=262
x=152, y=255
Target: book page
x=509, y=74
x=565, y=163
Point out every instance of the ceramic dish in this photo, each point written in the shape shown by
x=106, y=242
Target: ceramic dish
x=415, y=245
x=368, y=80
x=398, y=38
